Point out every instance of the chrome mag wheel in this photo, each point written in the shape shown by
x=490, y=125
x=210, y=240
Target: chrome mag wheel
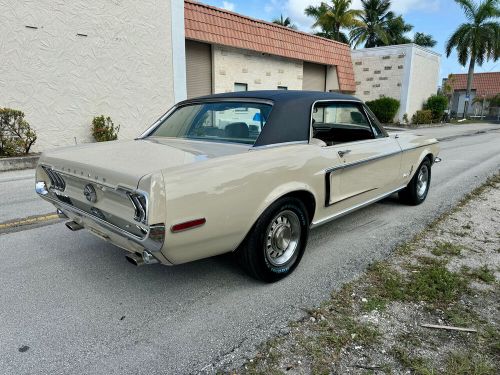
x=422, y=181
x=282, y=238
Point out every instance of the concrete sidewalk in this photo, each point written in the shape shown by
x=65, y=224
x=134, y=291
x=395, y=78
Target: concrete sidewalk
x=449, y=131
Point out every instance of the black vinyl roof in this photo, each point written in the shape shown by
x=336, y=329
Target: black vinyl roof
x=290, y=117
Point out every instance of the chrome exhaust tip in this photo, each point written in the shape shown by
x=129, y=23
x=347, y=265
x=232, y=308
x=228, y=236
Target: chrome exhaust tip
x=73, y=226
x=135, y=259
x=141, y=260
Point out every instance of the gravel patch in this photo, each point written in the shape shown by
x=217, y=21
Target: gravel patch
x=448, y=275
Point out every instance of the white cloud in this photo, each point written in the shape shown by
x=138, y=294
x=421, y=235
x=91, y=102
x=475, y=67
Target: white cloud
x=274, y=6
x=295, y=8
x=228, y=6
x=404, y=6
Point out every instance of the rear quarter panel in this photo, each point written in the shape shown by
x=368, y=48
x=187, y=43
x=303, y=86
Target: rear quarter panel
x=415, y=148
x=231, y=193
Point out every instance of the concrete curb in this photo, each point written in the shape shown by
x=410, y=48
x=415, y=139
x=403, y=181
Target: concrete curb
x=21, y=162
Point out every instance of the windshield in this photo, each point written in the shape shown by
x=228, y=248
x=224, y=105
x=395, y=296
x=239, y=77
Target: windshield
x=238, y=122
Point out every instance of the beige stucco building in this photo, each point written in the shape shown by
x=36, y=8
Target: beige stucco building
x=407, y=72
x=63, y=63
x=226, y=52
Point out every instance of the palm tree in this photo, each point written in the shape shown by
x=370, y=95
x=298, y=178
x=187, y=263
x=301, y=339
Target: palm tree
x=424, y=40
x=374, y=20
x=396, y=29
x=287, y=22
x=478, y=39
x=333, y=18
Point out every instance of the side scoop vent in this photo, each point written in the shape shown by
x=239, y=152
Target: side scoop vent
x=140, y=206
x=56, y=180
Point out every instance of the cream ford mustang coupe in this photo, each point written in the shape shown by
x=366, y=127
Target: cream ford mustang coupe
x=247, y=172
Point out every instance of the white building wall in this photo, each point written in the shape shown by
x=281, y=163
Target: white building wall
x=406, y=72
x=121, y=65
x=424, y=78
x=259, y=71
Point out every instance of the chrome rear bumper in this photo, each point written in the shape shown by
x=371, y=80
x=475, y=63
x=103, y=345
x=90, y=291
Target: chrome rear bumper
x=152, y=240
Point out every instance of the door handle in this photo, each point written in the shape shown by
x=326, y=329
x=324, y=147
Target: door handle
x=343, y=152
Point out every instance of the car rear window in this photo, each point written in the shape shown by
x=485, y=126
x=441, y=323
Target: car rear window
x=239, y=122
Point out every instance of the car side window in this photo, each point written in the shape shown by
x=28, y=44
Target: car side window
x=341, y=122
x=377, y=127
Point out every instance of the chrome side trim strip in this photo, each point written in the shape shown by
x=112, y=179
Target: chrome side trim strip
x=273, y=145
x=414, y=148
x=353, y=196
x=354, y=208
x=358, y=162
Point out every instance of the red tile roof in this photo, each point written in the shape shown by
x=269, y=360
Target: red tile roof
x=218, y=26
x=485, y=84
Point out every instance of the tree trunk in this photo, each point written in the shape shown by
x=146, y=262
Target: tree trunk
x=470, y=77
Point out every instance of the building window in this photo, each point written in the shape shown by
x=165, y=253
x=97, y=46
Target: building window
x=358, y=83
x=240, y=87
x=282, y=88
x=376, y=85
x=358, y=63
x=386, y=57
x=383, y=78
x=366, y=69
x=377, y=72
x=400, y=66
x=388, y=68
x=401, y=56
x=399, y=84
x=366, y=92
x=369, y=79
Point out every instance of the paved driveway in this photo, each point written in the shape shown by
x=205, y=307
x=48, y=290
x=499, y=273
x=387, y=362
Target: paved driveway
x=80, y=308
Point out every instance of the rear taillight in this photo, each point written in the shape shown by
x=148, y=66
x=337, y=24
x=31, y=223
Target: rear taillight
x=139, y=202
x=56, y=180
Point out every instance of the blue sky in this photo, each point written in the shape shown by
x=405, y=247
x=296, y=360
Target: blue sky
x=436, y=17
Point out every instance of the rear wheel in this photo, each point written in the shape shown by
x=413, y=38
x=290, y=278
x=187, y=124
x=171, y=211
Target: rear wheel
x=417, y=189
x=276, y=242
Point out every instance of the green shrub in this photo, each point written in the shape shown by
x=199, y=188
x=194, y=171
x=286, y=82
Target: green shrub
x=103, y=129
x=16, y=134
x=437, y=104
x=422, y=117
x=384, y=108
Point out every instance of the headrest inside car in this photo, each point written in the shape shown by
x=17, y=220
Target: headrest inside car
x=237, y=130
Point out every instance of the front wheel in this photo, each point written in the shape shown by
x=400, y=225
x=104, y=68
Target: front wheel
x=276, y=242
x=416, y=191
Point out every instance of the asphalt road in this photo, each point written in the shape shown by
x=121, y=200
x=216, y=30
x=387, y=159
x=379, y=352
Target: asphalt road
x=70, y=303
x=18, y=198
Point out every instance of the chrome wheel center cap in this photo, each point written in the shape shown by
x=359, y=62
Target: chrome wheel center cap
x=282, y=237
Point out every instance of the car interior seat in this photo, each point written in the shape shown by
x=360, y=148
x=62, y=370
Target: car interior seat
x=237, y=130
